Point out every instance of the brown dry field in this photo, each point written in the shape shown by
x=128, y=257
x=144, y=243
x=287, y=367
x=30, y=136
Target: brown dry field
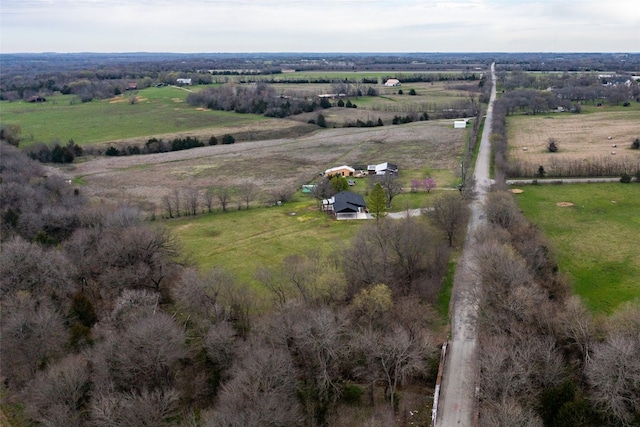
x=271, y=163
x=579, y=136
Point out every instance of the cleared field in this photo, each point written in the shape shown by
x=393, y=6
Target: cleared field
x=420, y=149
x=596, y=240
x=582, y=137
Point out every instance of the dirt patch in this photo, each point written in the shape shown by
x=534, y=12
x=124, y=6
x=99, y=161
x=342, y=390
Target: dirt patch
x=564, y=204
x=517, y=191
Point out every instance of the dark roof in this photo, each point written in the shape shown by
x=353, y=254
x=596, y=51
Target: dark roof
x=346, y=201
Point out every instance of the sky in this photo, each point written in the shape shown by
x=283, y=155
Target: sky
x=189, y=26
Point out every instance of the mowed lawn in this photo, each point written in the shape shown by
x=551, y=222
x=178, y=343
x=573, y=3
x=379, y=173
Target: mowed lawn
x=156, y=111
x=242, y=241
x=597, y=241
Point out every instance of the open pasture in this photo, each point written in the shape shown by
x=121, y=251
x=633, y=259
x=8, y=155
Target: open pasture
x=157, y=111
x=420, y=149
x=594, y=230
x=242, y=241
x=583, y=137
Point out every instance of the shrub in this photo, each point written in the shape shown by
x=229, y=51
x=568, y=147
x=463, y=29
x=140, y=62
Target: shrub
x=228, y=139
x=320, y=120
x=636, y=144
x=112, y=151
x=625, y=178
x=213, y=141
x=351, y=394
x=552, y=145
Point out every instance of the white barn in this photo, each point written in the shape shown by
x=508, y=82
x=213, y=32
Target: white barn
x=392, y=82
x=459, y=124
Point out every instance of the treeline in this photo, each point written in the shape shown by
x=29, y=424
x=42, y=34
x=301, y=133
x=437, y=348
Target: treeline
x=256, y=99
x=615, y=89
x=54, y=152
x=544, y=359
x=105, y=322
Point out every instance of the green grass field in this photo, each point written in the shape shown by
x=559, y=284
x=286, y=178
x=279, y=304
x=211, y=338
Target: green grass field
x=597, y=241
x=157, y=111
x=241, y=241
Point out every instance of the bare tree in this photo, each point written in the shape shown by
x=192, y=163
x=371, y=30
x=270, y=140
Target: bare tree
x=220, y=343
x=191, y=200
x=391, y=185
x=577, y=325
x=145, y=408
x=248, y=191
x=262, y=391
x=200, y=295
x=224, y=195
x=509, y=413
x=450, y=214
x=33, y=334
x=167, y=202
x=177, y=201
x=319, y=345
x=399, y=357
x=613, y=371
x=29, y=267
x=501, y=209
x=57, y=395
x=208, y=197
x=145, y=355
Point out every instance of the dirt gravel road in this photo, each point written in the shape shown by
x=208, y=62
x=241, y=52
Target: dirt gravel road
x=457, y=402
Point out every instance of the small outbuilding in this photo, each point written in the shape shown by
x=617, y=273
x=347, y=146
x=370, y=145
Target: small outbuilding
x=392, y=82
x=382, y=169
x=186, y=82
x=459, y=124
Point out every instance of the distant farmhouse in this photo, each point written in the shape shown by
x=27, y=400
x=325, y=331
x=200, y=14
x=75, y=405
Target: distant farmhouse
x=132, y=86
x=459, y=124
x=184, y=82
x=392, y=82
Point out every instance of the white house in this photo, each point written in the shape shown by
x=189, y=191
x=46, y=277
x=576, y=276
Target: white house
x=459, y=124
x=183, y=81
x=392, y=82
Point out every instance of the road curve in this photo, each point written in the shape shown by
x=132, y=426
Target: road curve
x=457, y=401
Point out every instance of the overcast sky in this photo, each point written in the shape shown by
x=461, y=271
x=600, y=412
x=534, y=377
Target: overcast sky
x=319, y=26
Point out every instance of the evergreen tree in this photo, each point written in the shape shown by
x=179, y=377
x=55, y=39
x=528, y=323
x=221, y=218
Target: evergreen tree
x=377, y=202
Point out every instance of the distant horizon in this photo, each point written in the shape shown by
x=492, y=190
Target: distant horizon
x=322, y=53
x=380, y=26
